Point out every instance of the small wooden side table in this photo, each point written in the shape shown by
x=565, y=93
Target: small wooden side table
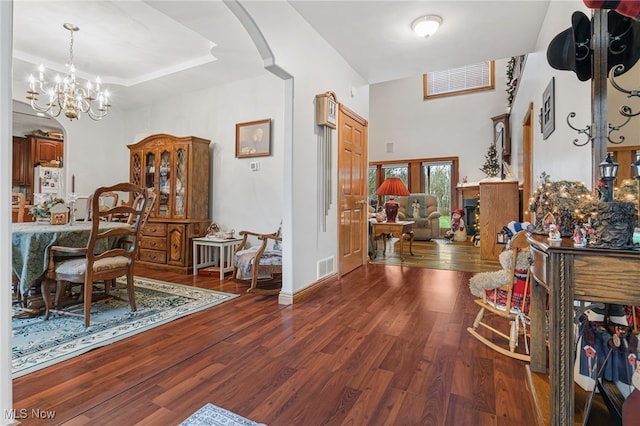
x=403, y=229
x=215, y=252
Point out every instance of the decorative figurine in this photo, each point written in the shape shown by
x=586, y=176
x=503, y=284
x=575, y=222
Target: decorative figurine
x=416, y=208
x=579, y=237
x=603, y=191
x=554, y=233
x=458, y=232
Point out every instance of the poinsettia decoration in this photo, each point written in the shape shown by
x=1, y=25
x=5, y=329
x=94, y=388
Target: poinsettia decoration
x=43, y=209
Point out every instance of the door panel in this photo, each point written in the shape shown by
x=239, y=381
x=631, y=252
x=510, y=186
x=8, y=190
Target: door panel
x=352, y=190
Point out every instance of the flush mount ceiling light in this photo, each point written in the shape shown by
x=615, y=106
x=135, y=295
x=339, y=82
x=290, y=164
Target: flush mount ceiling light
x=426, y=26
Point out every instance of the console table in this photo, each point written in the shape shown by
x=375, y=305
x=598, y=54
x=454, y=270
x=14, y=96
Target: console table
x=400, y=228
x=570, y=273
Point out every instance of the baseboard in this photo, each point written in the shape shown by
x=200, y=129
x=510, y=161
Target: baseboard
x=305, y=293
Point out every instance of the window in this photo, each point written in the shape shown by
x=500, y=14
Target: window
x=371, y=179
x=437, y=182
x=457, y=81
x=394, y=170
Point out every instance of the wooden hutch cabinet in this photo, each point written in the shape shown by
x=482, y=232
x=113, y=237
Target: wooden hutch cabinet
x=177, y=168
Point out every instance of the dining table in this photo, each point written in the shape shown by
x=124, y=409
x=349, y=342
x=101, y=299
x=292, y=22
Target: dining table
x=31, y=242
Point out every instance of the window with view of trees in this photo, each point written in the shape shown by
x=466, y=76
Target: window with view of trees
x=437, y=182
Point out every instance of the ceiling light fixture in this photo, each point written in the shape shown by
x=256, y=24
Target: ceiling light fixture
x=426, y=26
x=66, y=94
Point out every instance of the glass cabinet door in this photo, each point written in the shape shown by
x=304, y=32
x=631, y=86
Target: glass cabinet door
x=137, y=175
x=164, y=188
x=181, y=182
x=150, y=170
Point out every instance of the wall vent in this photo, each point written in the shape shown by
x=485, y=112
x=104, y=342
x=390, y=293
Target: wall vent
x=325, y=267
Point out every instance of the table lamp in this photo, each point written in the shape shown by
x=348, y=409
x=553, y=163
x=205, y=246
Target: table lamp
x=392, y=186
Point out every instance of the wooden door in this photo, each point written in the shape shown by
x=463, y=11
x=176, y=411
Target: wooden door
x=352, y=191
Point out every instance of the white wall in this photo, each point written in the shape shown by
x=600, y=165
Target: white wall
x=239, y=198
x=557, y=156
x=6, y=39
x=461, y=125
x=95, y=152
x=443, y=127
x=316, y=68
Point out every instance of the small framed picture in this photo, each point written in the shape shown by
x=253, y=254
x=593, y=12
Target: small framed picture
x=548, y=110
x=253, y=139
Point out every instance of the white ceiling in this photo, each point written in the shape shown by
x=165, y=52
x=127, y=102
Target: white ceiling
x=153, y=49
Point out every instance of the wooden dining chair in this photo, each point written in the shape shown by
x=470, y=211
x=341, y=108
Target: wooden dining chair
x=107, y=201
x=19, y=201
x=151, y=200
x=89, y=265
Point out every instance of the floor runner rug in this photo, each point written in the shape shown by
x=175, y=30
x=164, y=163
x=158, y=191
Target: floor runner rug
x=211, y=415
x=38, y=343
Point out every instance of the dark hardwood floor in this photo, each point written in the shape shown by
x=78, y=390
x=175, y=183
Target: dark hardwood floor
x=385, y=345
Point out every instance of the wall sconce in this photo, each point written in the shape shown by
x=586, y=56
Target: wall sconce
x=608, y=172
x=426, y=26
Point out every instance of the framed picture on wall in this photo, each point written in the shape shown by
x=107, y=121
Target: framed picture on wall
x=548, y=110
x=253, y=139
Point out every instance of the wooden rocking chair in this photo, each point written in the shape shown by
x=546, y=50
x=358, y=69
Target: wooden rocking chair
x=505, y=294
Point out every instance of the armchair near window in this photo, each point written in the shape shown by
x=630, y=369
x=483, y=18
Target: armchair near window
x=423, y=210
x=103, y=259
x=260, y=264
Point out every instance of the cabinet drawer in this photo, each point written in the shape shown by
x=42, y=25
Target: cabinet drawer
x=154, y=256
x=153, y=243
x=155, y=229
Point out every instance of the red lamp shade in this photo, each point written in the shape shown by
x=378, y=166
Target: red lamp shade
x=392, y=186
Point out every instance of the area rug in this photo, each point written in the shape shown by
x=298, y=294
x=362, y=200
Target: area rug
x=38, y=343
x=211, y=415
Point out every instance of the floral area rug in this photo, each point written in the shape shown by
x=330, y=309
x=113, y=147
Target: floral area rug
x=211, y=415
x=38, y=343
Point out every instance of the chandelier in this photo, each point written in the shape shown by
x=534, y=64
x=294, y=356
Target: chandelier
x=66, y=95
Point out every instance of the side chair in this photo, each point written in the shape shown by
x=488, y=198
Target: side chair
x=103, y=259
x=19, y=201
x=261, y=264
x=505, y=294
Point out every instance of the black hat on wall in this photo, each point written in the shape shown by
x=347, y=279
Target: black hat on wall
x=571, y=49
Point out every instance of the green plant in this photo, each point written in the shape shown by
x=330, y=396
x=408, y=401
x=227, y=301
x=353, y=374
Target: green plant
x=43, y=209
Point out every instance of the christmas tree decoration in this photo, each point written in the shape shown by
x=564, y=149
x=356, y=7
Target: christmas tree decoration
x=491, y=165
